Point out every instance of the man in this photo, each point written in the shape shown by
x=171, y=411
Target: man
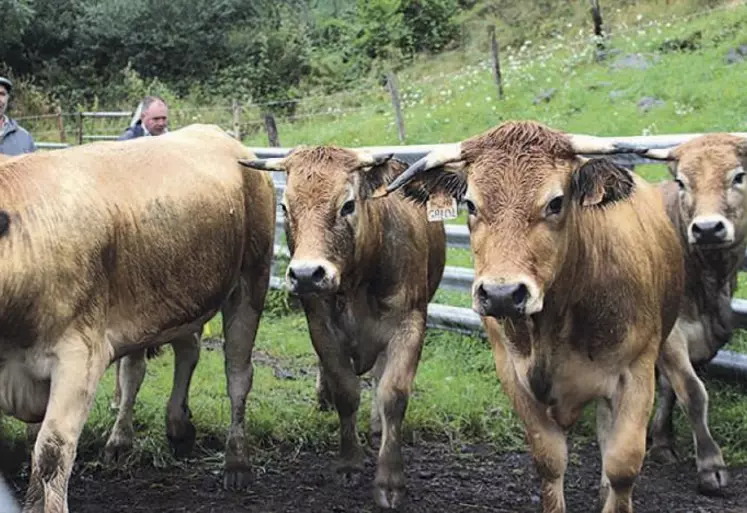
x=154, y=119
x=14, y=140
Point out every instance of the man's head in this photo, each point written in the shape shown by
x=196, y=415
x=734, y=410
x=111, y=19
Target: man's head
x=5, y=87
x=155, y=115
x=710, y=173
x=323, y=208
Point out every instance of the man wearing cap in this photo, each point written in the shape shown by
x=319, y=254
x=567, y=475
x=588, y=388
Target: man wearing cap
x=154, y=119
x=14, y=140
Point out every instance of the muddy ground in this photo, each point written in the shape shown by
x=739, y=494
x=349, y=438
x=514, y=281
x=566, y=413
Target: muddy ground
x=440, y=479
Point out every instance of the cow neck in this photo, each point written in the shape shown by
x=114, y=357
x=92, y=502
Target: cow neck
x=580, y=265
x=367, y=247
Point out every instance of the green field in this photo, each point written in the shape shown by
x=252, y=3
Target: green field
x=457, y=398
x=446, y=98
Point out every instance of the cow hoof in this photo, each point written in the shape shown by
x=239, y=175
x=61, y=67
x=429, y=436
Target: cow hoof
x=236, y=478
x=349, y=477
x=713, y=482
x=663, y=454
x=389, y=498
x=116, y=452
x=182, y=444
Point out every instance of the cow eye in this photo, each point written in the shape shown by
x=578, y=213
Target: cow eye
x=554, y=207
x=471, y=208
x=347, y=208
x=739, y=178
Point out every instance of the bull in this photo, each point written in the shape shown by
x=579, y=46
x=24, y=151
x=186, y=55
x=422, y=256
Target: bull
x=578, y=277
x=102, y=257
x=707, y=203
x=364, y=272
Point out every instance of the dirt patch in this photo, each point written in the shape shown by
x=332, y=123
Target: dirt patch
x=440, y=479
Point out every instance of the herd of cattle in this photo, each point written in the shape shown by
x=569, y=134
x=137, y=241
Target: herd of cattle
x=590, y=282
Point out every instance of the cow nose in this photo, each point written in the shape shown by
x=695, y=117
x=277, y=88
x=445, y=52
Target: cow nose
x=502, y=300
x=709, y=231
x=306, y=277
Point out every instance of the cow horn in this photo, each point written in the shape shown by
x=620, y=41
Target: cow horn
x=271, y=164
x=589, y=144
x=659, y=154
x=372, y=159
x=439, y=157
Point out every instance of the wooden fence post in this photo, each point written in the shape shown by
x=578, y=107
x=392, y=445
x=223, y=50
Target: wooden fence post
x=80, y=127
x=235, y=112
x=272, y=130
x=60, y=125
x=394, y=90
x=494, y=56
x=596, y=16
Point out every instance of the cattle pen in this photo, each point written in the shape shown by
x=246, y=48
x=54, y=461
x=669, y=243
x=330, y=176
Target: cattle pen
x=727, y=364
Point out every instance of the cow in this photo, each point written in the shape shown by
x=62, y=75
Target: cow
x=707, y=203
x=364, y=273
x=578, y=276
x=101, y=256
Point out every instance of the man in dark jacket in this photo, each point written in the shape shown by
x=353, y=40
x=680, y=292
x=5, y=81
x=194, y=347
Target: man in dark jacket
x=154, y=119
x=14, y=140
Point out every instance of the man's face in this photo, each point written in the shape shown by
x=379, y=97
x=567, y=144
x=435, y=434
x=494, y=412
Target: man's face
x=4, y=97
x=156, y=118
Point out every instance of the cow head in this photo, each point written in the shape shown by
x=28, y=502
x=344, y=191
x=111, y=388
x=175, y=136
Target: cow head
x=524, y=187
x=710, y=173
x=325, y=211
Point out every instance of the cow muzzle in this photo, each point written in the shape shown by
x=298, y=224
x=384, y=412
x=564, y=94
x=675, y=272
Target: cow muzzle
x=711, y=230
x=507, y=299
x=312, y=277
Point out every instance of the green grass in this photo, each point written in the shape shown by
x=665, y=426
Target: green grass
x=457, y=398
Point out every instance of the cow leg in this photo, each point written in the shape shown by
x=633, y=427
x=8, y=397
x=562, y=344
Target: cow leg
x=662, y=427
x=131, y=376
x=324, y=397
x=179, y=428
x=75, y=376
x=392, y=395
x=241, y=315
x=622, y=434
x=674, y=362
x=32, y=432
x=343, y=384
x=117, y=389
x=547, y=442
x=376, y=374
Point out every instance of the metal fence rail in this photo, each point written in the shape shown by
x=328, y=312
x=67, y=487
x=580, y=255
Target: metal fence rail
x=464, y=320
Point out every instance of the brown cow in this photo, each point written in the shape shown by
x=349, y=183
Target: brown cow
x=577, y=261
x=100, y=257
x=707, y=203
x=365, y=272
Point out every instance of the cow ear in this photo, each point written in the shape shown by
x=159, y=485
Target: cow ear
x=599, y=182
x=378, y=176
x=446, y=180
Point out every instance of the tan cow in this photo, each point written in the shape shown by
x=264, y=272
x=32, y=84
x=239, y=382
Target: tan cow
x=365, y=272
x=707, y=203
x=101, y=256
x=577, y=261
